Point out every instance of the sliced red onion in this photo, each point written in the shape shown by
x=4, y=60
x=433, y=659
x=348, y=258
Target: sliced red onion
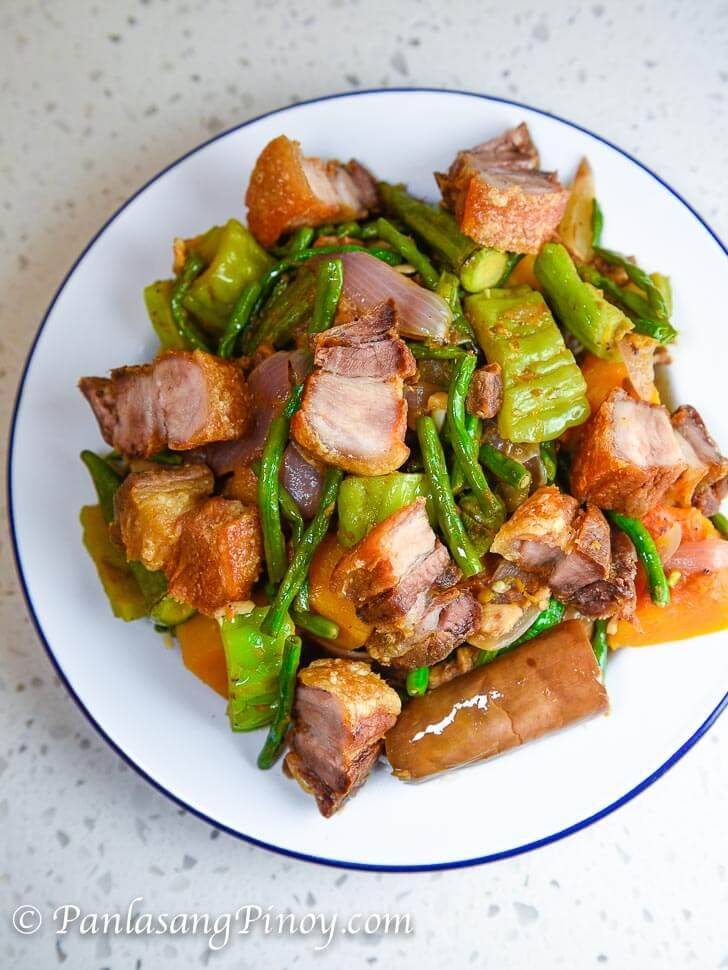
x=498, y=643
x=368, y=281
x=706, y=556
x=303, y=479
x=667, y=543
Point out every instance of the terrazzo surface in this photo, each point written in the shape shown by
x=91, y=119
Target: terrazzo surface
x=96, y=98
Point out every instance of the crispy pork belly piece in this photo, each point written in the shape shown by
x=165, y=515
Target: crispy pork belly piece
x=499, y=197
x=548, y=683
x=436, y=623
x=288, y=190
x=149, y=505
x=182, y=400
x=218, y=556
x=587, y=557
x=615, y=594
x=341, y=713
x=485, y=395
x=368, y=346
x=539, y=531
x=355, y=423
x=627, y=456
x=704, y=490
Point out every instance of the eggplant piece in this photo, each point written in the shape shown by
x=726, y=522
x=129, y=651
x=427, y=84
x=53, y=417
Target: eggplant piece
x=549, y=682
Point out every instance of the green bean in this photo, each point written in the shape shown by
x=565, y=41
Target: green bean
x=599, y=643
x=597, y=224
x=299, y=565
x=490, y=504
x=638, y=276
x=407, y=249
x=239, y=318
x=274, y=543
x=513, y=260
x=720, y=521
x=504, y=467
x=352, y=229
x=659, y=330
x=549, y=458
x=318, y=626
x=448, y=518
x=551, y=616
x=634, y=304
x=329, y=283
x=286, y=694
x=417, y=681
x=106, y=482
x=293, y=516
x=192, y=268
x=473, y=431
x=448, y=287
x=649, y=556
x=300, y=239
x=167, y=457
x=429, y=352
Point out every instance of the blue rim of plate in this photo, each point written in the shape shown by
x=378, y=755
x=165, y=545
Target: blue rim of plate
x=336, y=863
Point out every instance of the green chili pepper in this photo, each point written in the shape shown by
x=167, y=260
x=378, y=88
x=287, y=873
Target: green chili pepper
x=188, y=331
x=450, y=522
x=329, y=284
x=599, y=643
x=463, y=445
x=364, y=501
x=156, y=300
x=409, y=252
x=299, y=565
x=284, y=706
x=253, y=659
x=274, y=543
x=232, y=258
x=720, y=521
x=417, y=681
x=550, y=461
x=505, y=468
x=318, y=626
x=647, y=551
x=579, y=306
x=544, y=392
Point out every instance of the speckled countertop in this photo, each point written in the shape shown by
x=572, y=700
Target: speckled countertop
x=96, y=97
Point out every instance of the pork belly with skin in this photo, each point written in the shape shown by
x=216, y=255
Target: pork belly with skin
x=627, y=457
x=182, y=400
x=500, y=198
x=341, y=713
x=537, y=534
x=288, y=190
x=705, y=481
x=485, y=394
x=402, y=581
x=353, y=413
x=218, y=555
x=149, y=506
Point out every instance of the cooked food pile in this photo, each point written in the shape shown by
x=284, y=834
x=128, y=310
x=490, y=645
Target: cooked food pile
x=400, y=473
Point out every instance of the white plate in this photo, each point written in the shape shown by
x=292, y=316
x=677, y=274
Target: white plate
x=171, y=727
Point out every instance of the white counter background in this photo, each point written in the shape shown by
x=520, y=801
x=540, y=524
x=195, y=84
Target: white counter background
x=96, y=97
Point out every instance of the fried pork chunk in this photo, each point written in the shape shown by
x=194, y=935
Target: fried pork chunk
x=353, y=413
x=288, y=190
x=402, y=581
x=341, y=713
x=485, y=394
x=218, y=555
x=149, y=505
x=628, y=456
x=585, y=564
x=182, y=400
x=500, y=198
x=704, y=483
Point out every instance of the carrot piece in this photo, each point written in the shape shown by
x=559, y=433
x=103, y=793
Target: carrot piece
x=203, y=652
x=323, y=600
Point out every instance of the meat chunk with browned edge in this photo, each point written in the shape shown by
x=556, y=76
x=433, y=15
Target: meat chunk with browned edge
x=615, y=594
x=182, y=400
x=485, y=394
x=537, y=534
x=218, y=555
x=500, y=198
x=149, y=506
x=548, y=683
x=627, y=457
x=587, y=557
x=341, y=713
x=353, y=413
x=402, y=581
x=287, y=190
x=707, y=472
